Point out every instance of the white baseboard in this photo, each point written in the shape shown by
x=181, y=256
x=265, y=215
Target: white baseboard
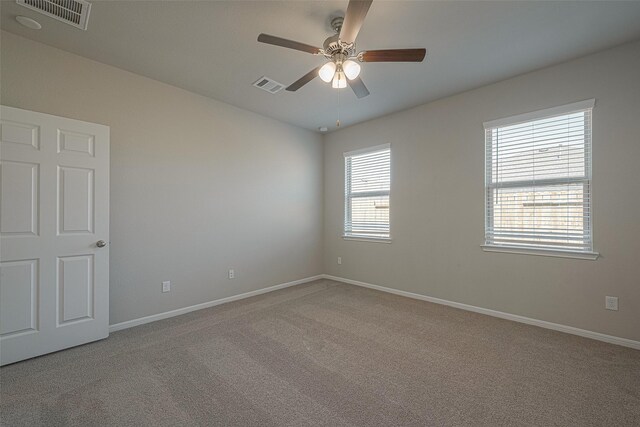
x=147, y=319
x=508, y=316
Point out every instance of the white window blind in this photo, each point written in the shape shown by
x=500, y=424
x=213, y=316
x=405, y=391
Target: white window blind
x=538, y=180
x=367, y=187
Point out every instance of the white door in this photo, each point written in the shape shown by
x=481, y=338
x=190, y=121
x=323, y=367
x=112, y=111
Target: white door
x=54, y=219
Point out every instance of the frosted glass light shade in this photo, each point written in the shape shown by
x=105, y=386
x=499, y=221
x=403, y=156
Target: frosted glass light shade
x=327, y=71
x=351, y=69
x=339, y=81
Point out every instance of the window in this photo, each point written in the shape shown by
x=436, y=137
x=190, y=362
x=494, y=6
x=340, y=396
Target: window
x=367, y=186
x=538, y=182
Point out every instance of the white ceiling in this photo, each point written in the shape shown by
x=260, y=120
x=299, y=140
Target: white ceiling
x=210, y=47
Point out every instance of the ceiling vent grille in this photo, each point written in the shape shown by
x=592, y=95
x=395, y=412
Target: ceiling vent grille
x=72, y=12
x=269, y=85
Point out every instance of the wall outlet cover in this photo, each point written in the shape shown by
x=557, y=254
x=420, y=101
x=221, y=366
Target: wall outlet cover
x=611, y=303
x=166, y=286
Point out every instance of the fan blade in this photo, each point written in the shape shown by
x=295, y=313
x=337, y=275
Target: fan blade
x=279, y=41
x=358, y=87
x=353, y=19
x=303, y=80
x=394, y=55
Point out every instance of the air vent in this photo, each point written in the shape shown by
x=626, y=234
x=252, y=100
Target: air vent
x=72, y=12
x=269, y=85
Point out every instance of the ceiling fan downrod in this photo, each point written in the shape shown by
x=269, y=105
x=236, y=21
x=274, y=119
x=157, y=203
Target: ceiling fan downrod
x=336, y=24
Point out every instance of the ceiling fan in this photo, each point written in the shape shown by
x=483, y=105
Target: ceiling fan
x=343, y=69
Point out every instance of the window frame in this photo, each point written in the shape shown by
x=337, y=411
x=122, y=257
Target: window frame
x=347, y=235
x=489, y=126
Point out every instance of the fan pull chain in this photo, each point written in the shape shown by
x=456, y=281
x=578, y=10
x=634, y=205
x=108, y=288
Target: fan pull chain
x=338, y=109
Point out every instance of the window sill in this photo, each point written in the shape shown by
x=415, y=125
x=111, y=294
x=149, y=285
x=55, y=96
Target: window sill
x=541, y=252
x=368, y=239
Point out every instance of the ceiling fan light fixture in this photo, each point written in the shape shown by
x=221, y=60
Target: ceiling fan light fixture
x=339, y=80
x=342, y=66
x=351, y=69
x=327, y=71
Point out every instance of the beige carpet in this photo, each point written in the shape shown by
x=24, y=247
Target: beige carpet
x=328, y=354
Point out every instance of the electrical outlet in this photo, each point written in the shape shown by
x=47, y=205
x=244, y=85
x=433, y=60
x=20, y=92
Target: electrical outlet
x=611, y=303
x=339, y=260
x=166, y=286
x=232, y=273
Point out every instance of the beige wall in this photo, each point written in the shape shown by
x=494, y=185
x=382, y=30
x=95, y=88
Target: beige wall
x=437, y=201
x=197, y=186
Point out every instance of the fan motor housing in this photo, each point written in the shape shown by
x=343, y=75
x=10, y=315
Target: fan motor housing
x=333, y=45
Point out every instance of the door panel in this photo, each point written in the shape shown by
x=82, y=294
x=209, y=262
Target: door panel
x=75, y=200
x=18, y=297
x=75, y=288
x=22, y=134
x=19, y=189
x=74, y=142
x=54, y=207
